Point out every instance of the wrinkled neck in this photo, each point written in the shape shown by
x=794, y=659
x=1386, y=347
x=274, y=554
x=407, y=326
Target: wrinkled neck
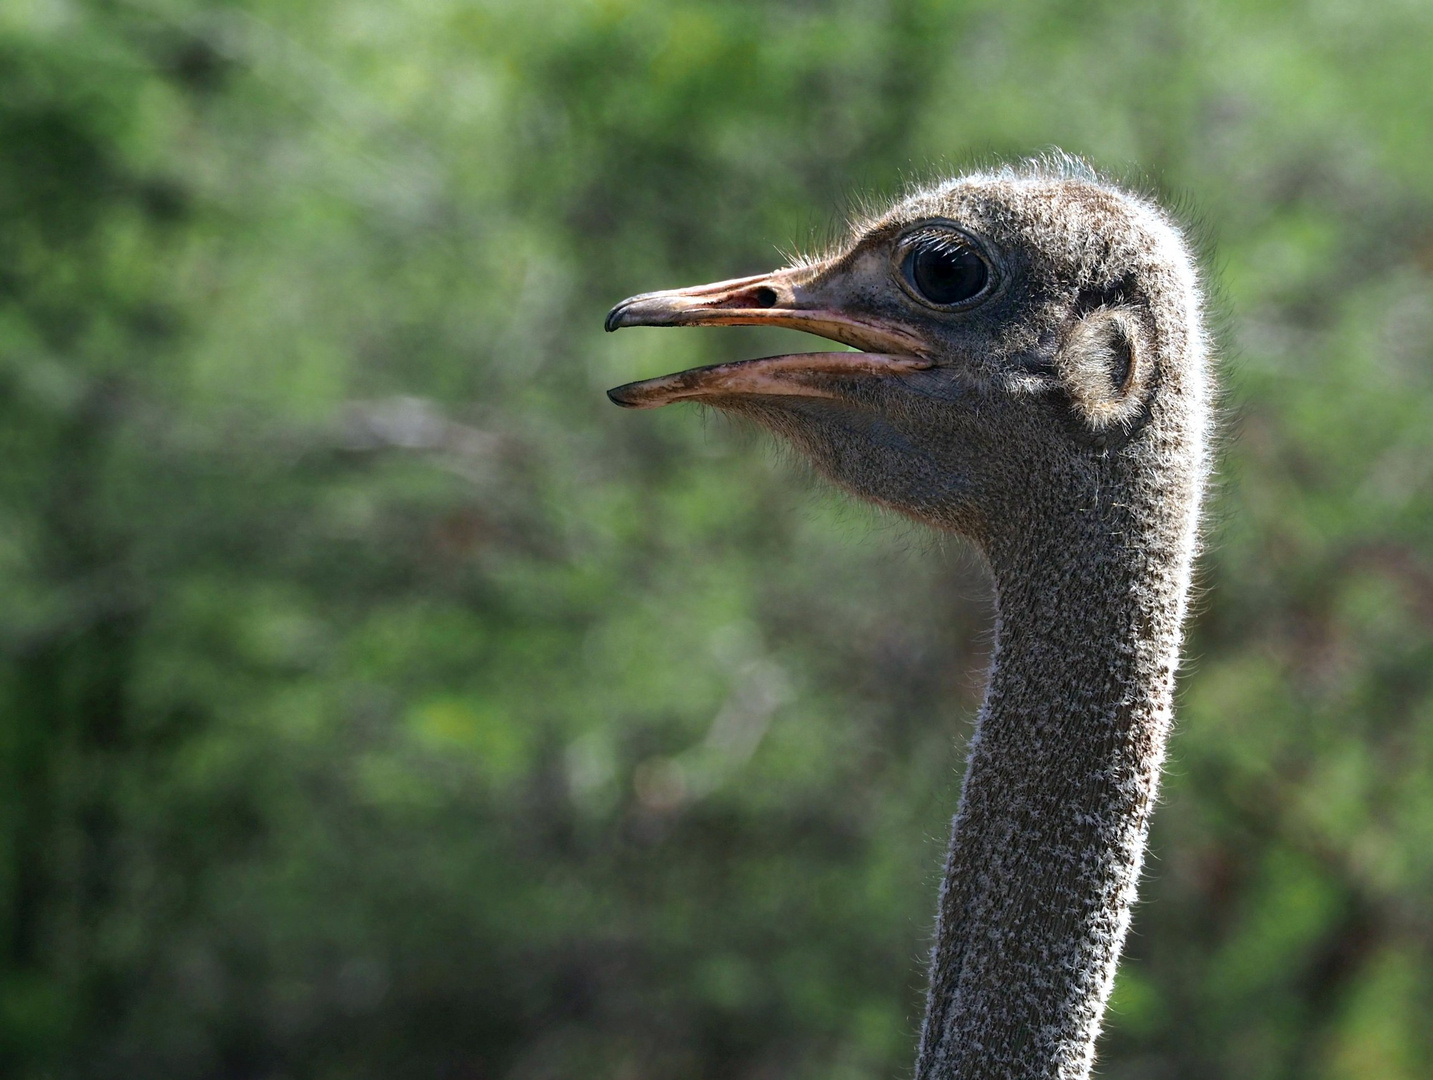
x=1063, y=770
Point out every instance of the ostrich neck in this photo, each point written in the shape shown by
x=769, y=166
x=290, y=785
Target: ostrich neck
x=1050, y=833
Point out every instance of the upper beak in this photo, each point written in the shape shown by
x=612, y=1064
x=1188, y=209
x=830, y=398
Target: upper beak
x=783, y=298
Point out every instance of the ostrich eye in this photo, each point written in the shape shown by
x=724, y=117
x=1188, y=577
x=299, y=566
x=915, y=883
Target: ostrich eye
x=944, y=273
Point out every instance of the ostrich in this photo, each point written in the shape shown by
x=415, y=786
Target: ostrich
x=1033, y=377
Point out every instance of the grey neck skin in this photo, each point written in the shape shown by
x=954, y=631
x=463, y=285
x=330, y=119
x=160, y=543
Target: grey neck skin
x=1050, y=833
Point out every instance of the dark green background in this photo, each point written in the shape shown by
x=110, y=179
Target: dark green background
x=377, y=701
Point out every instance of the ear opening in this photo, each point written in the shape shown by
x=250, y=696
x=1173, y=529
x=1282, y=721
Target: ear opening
x=1107, y=373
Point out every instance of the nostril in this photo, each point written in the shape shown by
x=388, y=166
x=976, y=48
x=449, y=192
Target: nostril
x=766, y=296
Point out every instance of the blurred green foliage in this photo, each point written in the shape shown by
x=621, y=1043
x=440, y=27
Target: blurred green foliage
x=377, y=701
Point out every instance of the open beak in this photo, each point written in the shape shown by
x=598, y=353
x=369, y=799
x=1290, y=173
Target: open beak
x=783, y=298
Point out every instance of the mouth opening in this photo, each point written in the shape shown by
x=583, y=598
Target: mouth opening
x=787, y=299
x=813, y=374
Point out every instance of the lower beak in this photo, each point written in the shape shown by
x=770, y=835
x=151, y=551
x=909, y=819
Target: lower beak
x=784, y=298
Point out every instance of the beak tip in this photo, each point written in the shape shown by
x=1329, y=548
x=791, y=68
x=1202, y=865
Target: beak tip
x=618, y=394
x=613, y=320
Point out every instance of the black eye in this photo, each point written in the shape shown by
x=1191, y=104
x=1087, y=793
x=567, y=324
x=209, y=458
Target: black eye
x=945, y=273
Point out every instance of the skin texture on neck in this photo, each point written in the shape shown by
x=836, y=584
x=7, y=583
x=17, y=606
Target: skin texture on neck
x=1063, y=771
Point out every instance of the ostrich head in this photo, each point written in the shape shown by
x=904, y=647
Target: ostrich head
x=1033, y=376
x=1027, y=336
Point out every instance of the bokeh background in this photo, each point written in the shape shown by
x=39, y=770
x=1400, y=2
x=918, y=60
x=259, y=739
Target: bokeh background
x=377, y=701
